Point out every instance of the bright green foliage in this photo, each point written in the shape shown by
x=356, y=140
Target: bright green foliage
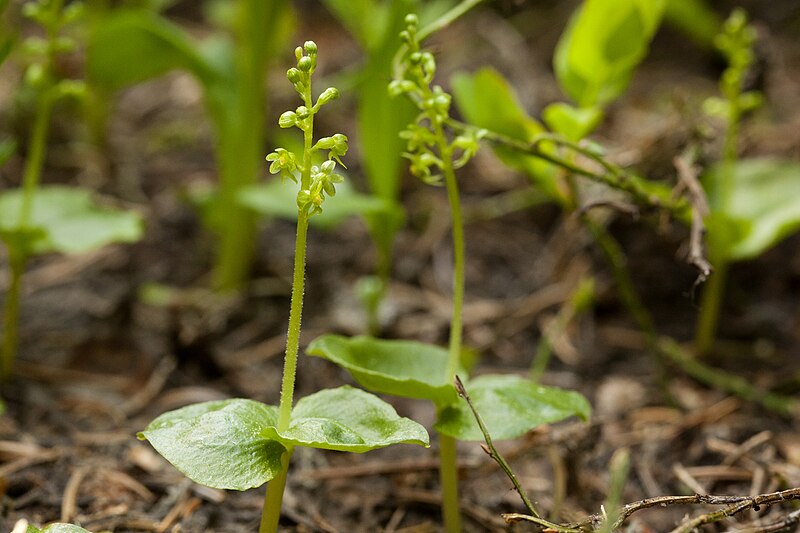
x=510, y=406
x=220, y=444
x=65, y=219
x=488, y=101
x=572, y=122
x=235, y=444
x=57, y=528
x=230, y=67
x=347, y=420
x=603, y=44
x=695, y=18
x=403, y=368
x=126, y=37
x=763, y=209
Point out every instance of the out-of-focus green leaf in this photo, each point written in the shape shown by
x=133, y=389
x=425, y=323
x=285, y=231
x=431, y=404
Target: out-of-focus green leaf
x=602, y=45
x=510, y=406
x=763, y=207
x=696, y=19
x=219, y=444
x=7, y=149
x=65, y=219
x=402, y=368
x=574, y=123
x=487, y=100
x=278, y=199
x=131, y=46
x=349, y=420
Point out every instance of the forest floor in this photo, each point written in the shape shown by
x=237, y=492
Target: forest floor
x=98, y=362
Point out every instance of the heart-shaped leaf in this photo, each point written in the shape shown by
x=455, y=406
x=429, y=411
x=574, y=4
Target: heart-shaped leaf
x=510, y=406
x=65, y=219
x=402, y=368
x=57, y=528
x=220, y=444
x=763, y=207
x=349, y=420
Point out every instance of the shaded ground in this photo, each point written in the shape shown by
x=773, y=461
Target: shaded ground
x=97, y=363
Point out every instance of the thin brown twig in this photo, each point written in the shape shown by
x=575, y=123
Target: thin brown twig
x=688, y=176
x=733, y=505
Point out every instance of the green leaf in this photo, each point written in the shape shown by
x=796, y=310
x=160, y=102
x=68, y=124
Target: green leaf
x=65, y=219
x=278, y=199
x=487, y=100
x=220, y=444
x=510, y=406
x=696, y=19
x=763, y=207
x=402, y=368
x=602, y=45
x=349, y=420
x=574, y=123
x=7, y=149
x=58, y=528
x=133, y=45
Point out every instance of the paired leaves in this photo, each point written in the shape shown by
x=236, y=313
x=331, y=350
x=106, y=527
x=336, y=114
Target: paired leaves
x=235, y=444
x=510, y=406
x=65, y=219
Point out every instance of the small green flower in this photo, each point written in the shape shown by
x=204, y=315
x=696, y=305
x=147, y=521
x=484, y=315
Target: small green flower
x=283, y=162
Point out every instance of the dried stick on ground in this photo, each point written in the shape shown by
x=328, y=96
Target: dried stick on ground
x=733, y=505
x=687, y=174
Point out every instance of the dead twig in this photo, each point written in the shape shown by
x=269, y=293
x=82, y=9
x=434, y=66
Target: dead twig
x=733, y=505
x=687, y=174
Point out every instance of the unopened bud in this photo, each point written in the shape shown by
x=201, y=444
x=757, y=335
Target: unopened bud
x=305, y=64
x=331, y=93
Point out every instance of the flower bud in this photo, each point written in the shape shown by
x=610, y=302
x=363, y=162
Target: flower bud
x=305, y=64
x=294, y=75
x=310, y=47
x=331, y=93
x=302, y=112
x=412, y=20
x=298, y=53
x=287, y=119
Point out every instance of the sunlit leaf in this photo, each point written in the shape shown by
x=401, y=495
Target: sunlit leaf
x=350, y=420
x=574, y=123
x=602, y=45
x=510, y=406
x=219, y=444
x=65, y=219
x=403, y=368
x=763, y=207
x=487, y=100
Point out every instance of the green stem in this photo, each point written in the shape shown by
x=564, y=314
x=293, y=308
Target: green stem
x=273, y=500
x=295, y=317
x=11, y=314
x=448, y=478
x=710, y=307
x=448, y=470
